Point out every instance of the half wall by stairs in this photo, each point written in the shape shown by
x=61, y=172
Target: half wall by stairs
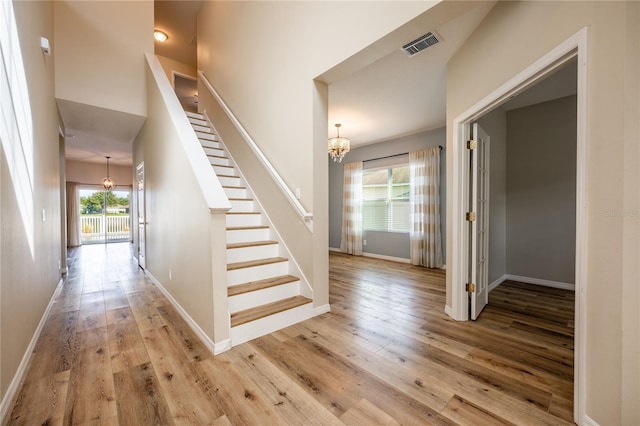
x=265, y=289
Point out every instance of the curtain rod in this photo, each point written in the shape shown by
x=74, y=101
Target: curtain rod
x=391, y=156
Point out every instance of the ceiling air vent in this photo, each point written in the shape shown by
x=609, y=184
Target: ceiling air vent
x=421, y=43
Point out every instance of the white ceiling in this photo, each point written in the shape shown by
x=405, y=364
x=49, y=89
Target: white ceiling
x=392, y=97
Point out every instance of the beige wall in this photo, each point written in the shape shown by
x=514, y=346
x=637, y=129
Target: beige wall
x=93, y=173
x=169, y=66
x=177, y=215
x=496, y=48
x=99, y=52
x=263, y=57
x=28, y=278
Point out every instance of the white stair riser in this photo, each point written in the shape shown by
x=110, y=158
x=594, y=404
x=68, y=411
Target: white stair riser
x=198, y=121
x=245, y=254
x=251, y=330
x=236, y=192
x=247, y=235
x=255, y=273
x=218, y=161
x=206, y=136
x=203, y=129
x=264, y=296
x=214, y=151
x=244, y=220
x=230, y=181
x=228, y=171
x=242, y=205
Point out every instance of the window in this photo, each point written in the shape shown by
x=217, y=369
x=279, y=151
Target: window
x=385, y=194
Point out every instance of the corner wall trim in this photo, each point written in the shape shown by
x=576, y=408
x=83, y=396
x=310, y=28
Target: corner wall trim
x=187, y=318
x=322, y=309
x=497, y=282
x=222, y=346
x=447, y=310
x=24, y=363
x=588, y=421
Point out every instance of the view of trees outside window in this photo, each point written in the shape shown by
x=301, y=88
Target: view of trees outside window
x=100, y=223
x=385, y=195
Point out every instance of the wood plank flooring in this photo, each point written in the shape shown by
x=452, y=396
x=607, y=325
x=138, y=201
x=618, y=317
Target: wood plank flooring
x=114, y=351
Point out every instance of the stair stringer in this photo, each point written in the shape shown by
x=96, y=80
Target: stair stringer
x=294, y=269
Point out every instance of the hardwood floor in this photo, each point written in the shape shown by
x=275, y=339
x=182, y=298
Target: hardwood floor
x=114, y=351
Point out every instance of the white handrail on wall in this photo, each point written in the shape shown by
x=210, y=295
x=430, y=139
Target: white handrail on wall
x=307, y=216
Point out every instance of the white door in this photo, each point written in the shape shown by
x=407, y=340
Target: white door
x=141, y=216
x=479, y=226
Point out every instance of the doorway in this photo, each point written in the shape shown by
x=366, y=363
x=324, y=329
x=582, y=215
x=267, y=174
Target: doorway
x=575, y=48
x=104, y=215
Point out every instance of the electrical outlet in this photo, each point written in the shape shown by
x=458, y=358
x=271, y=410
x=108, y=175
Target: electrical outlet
x=44, y=217
x=170, y=275
x=364, y=242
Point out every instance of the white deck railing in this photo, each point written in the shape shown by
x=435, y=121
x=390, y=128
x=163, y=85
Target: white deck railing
x=94, y=228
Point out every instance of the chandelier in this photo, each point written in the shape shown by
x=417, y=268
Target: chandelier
x=107, y=183
x=338, y=146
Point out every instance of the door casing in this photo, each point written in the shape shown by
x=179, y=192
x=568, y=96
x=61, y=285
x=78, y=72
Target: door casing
x=573, y=48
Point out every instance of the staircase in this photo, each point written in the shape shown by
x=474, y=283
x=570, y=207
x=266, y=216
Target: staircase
x=264, y=290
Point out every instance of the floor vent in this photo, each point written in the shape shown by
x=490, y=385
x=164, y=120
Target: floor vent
x=421, y=43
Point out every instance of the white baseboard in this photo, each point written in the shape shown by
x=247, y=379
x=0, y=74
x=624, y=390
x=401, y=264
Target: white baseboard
x=383, y=257
x=14, y=386
x=448, y=310
x=319, y=310
x=539, y=281
x=213, y=347
x=222, y=346
x=588, y=421
x=534, y=281
x=376, y=256
x=497, y=282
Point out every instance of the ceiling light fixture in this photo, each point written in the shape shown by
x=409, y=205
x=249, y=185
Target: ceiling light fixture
x=338, y=146
x=107, y=183
x=160, y=36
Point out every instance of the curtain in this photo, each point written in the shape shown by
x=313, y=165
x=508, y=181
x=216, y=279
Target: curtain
x=73, y=214
x=351, y=241
x=426, y=243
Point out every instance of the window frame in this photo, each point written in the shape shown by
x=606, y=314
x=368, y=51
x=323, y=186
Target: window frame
x=389, y=198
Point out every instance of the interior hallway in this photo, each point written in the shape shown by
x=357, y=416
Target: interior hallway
x=114, y=351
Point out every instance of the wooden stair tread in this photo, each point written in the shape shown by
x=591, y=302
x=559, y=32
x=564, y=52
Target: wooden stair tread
x=250, y=244
x=240, y=199
x=217, y=156
x=237, y=289
x=232, y=212
x=227, y=176
x=234, y=187
x=222, y=165
x=258, y=312
x=252, y=263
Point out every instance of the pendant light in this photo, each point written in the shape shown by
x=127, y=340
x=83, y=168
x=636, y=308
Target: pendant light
x=107, y=183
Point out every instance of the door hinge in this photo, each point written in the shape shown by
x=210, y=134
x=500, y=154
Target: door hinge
x=472, y=144
x=470, y=287
x=471, y=216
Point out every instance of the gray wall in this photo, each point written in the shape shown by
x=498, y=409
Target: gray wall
x=384, y=243
x=495, y=124
x=541, y=190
